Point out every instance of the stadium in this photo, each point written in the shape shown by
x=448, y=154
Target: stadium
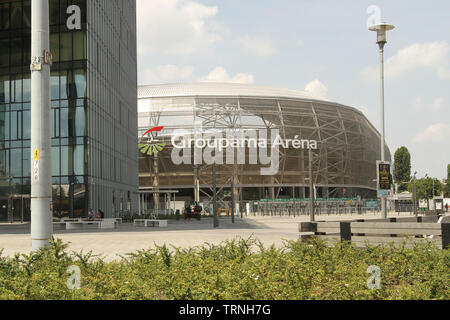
x=172, y=117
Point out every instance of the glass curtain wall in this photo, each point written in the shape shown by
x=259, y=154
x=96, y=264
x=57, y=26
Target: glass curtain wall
x=68, y=102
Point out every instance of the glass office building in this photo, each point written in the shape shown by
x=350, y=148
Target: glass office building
x=93, y=108
x=344, y=164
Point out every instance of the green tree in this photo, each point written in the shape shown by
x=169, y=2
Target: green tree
x=402, y=168
x=425, y=188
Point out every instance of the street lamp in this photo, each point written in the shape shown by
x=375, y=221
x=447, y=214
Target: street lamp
x=414, y=194
x=233, y=205
x=311, y=188
x=426, y=176
x=381, y=30
x=434, y=203
x=215, y=209
x=41, y=178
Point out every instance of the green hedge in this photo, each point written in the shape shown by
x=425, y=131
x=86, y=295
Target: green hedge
x=239, y=269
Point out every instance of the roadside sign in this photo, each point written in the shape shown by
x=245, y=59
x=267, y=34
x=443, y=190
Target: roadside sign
x=371, y=204
x=384, y=178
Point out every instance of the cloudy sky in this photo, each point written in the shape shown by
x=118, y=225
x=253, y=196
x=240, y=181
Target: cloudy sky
x=319, y=46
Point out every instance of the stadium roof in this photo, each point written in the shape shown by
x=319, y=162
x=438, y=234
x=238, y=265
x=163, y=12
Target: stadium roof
x=220, y=89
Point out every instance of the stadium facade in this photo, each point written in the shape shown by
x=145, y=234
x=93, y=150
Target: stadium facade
x=93, y=107
x=344, y=144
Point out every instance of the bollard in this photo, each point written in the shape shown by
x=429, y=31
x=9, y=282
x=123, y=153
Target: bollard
x=445, y=236
x=346, y=231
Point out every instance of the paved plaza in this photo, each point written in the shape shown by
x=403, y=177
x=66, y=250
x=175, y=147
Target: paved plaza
x=127, y=238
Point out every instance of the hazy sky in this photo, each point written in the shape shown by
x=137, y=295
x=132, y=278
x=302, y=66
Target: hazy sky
x=319, y=46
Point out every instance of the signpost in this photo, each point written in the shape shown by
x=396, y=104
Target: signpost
x=384, y=179
x=311, y=188
x=215, y=209
x=233, y=205
x=415, y=195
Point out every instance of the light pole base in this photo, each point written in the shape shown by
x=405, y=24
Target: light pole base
x=37, y=245
x=384, y=214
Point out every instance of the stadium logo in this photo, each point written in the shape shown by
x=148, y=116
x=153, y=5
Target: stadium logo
x=151, y=146
x=255, y=147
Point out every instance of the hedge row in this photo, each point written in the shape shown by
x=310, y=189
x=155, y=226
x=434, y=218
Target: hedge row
x=235, y=270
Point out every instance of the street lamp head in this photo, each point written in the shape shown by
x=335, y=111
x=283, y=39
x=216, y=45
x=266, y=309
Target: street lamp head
x=381, y=30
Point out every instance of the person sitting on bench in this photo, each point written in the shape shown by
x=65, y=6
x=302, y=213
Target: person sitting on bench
x=91, y=215
x=100, y=214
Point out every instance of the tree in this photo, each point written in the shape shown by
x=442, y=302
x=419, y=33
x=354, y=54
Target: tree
x=425, y=188
x=402, y=168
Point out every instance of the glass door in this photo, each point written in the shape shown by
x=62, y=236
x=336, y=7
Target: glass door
x=21, y=209
x=3, y=210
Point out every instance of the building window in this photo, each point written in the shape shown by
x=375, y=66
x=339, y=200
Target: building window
x=66, y=46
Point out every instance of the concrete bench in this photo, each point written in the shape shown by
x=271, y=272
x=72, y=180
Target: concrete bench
x=60, y=225
x=151, y=222
x=379, y=233
x=76, y=225
x=100, y=224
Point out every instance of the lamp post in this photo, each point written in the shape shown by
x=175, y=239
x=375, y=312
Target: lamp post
x=71, y=196
x=381, y=30
x=41, y=178
x=415, y=195
x=197, y=184
x=311, y=188
x=432, y=197
x=432, y=179
x=215, y=209
x=233, y=205
x=433, y=190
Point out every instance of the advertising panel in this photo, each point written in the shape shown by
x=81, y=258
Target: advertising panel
x=384, y=179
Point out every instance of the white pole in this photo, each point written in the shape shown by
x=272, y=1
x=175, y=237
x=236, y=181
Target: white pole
x=311, y=188
x=41, y=180
x=381, y=30
x=383, y=127
x=139, y=203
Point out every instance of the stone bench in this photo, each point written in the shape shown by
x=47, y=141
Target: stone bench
x=379, y=233
x=151, y=223
x=101, y=224
x=61, y=225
